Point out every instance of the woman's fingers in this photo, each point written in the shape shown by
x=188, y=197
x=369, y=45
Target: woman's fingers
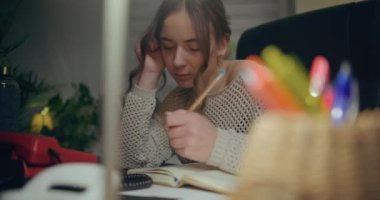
x=176, y=132
x=190, y=134
x=182, y=146
x=153, y=45
x=176, y=118
x=178, y=143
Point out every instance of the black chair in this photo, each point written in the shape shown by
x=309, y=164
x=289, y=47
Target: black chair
x=345, y=32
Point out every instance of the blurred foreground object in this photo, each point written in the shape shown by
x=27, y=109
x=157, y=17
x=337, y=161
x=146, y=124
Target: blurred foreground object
x=23, y=155
x=69, y=181
x=303, y=157
x=9, y=100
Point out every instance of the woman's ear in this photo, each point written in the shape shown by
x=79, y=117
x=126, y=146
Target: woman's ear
x=223, y=45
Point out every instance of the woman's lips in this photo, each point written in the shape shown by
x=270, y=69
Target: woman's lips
x=182, y=77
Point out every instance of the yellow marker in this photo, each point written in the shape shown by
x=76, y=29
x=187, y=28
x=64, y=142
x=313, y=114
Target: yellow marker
x=292, y=74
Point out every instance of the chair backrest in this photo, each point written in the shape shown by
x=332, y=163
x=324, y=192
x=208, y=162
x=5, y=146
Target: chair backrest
x=345, y=32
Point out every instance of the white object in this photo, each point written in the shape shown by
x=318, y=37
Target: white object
x=71, y=181
x=195, y=174
x=183, y=193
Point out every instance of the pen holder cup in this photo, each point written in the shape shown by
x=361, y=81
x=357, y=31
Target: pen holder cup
x=303, y=157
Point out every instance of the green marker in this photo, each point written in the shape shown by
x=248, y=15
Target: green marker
x=292, y=74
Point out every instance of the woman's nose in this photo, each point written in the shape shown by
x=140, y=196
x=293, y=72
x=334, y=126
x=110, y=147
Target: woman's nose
x=179, y=57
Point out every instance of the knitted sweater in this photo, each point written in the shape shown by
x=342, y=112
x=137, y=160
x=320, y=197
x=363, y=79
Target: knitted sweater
x=144, y=142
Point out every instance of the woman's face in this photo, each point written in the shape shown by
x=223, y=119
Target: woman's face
x=180, y=48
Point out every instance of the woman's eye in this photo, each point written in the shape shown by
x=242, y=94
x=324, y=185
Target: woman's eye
x=167, y=47
x=193, y=47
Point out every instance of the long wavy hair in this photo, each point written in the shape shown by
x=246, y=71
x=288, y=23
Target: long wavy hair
x=208, y=16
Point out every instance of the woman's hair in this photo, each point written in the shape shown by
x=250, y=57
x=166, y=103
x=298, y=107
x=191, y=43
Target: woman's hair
x=208, y=16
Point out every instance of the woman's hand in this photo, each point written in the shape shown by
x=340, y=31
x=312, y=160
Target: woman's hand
x=152, y=67
x=191, y=134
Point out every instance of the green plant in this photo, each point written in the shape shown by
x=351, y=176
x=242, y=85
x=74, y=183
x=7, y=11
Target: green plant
x=35, y=94
x=75, y=119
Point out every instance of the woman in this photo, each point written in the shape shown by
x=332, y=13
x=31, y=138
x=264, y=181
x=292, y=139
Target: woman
x=189, y=38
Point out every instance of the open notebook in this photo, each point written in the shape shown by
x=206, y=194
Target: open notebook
x=194, y=174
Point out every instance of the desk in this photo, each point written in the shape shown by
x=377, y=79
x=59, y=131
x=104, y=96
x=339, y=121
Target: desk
x=185, y=193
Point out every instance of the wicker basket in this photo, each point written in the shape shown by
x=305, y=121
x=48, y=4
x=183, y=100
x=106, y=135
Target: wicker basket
x=304, y=157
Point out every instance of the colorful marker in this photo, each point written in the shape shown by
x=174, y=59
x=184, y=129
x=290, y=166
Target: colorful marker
x=263, y=85
x=328, y=98
x=319, y=79
x=289, y=72
x=343, y=94
x=319, y=76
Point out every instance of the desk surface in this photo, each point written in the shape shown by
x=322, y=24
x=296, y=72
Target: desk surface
x=175, y=193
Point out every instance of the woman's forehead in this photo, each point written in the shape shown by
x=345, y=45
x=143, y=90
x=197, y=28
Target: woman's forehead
x=178, y=24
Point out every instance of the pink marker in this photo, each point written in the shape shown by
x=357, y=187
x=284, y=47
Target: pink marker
x=319, y=76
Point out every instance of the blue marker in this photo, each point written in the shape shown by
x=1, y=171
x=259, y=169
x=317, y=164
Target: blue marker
x=343, y=86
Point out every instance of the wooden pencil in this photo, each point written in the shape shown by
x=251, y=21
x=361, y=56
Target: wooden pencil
x=199, y=100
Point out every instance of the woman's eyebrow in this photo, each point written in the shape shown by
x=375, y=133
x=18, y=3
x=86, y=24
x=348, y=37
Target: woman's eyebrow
x=192, y=40
x=166, y=39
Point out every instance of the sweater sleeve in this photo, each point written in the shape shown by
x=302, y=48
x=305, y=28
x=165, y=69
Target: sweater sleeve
x=233, y=111
x=228, y=148
x=143, y=140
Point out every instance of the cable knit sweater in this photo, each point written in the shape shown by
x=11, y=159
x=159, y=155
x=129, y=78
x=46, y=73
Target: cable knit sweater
x=144, y=142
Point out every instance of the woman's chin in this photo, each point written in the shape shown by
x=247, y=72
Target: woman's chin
x=185, y=84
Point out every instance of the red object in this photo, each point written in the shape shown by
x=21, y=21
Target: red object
x=38, y=152
x=262, y=84
x=328, y=98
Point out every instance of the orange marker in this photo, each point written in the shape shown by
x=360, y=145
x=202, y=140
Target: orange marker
x=261, y=83
x=255, y=58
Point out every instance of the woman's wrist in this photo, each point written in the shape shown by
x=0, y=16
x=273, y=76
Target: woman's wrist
x=148, y=79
